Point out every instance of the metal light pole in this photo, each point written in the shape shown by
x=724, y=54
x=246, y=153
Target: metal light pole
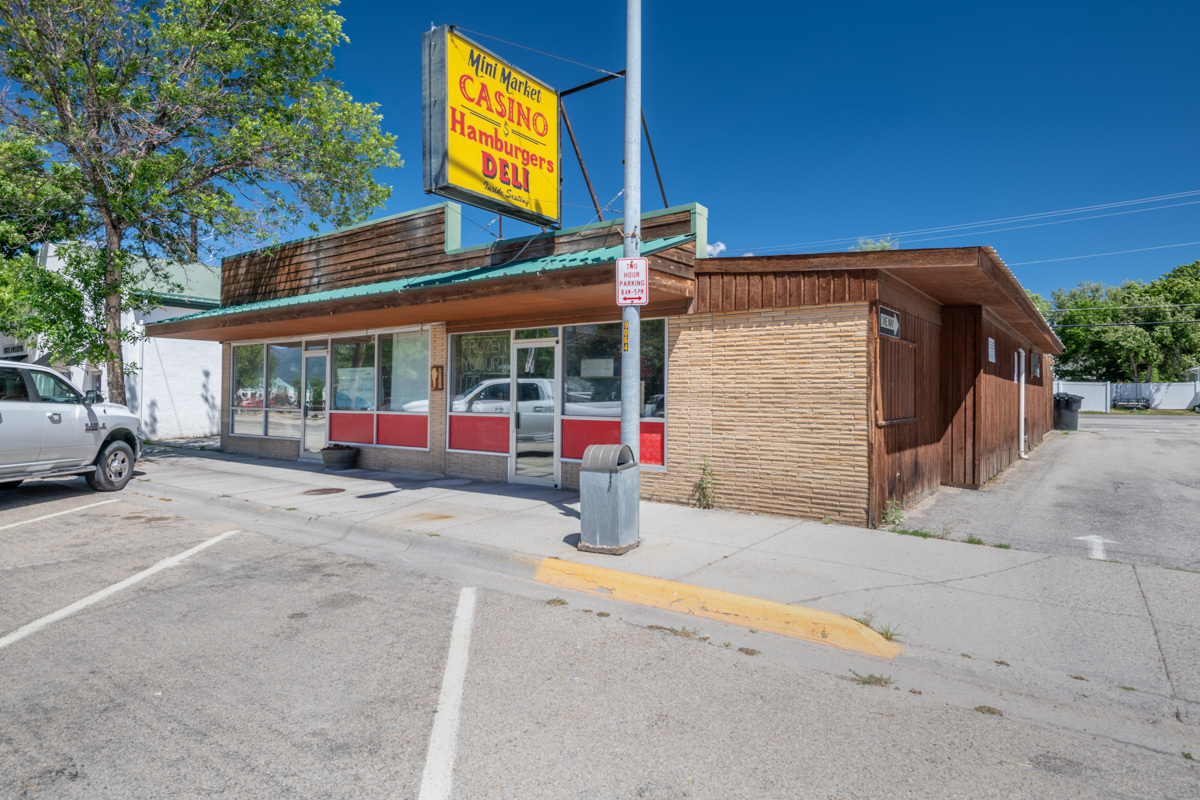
x=631, y=357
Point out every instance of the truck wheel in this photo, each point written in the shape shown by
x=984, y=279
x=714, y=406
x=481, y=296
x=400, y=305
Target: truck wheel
x=9, y=485
x=114, y=468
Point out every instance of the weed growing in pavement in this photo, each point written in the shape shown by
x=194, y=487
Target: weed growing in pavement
x=750, y=651
x=989, y=710
x=705, y=489
x=973, y=539
x=1001, y=663
x=226, y=495
x=1129, y=688
x=826, y=520
x=290, y=508
x=891, y=514
x=1187, y=755
x=556, y=601
x=1002, y=546
x=866, y=619
x=603, y=614
x=914, y=532
x=1078, y=678
x=888, y=632
x=872, y=679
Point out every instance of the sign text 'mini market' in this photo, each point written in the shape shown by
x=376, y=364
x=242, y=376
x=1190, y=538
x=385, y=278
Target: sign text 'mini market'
x=491, y=131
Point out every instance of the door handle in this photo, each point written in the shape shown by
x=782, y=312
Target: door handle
x=54, y=415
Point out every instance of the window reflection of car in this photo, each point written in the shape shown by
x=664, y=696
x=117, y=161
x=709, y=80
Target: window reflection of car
x=535, y=404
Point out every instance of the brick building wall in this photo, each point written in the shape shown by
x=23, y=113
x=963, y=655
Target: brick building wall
x=777, y=400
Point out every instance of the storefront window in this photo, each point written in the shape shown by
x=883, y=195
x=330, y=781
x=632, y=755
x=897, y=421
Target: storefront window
x=592, y=370
x=479, y=382
x=404, y=371
x=354, y=373
x=248, y=399
x=283, y=390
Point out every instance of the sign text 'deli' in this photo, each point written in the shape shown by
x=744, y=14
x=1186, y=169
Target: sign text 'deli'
x=633, y=281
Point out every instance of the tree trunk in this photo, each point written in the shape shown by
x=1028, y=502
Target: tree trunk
x=112, y=315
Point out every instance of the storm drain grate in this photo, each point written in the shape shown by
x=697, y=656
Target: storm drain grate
x=324, y=491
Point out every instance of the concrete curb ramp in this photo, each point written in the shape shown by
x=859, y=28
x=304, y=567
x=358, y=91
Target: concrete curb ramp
x=797, y=622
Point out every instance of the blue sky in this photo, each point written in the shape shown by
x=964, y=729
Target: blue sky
x=801, y=124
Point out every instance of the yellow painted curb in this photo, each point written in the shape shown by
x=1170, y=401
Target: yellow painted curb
x=798, y=622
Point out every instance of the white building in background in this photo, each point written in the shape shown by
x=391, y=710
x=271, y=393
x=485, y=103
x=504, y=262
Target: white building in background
x=175, y=391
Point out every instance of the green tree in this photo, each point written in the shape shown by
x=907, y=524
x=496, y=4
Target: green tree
x=176, y=118
x=864, y=244
x=1133, y=332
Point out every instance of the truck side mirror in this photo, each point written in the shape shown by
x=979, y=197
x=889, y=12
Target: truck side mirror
x=91, y=396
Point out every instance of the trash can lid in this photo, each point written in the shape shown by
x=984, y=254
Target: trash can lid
x=607, y=458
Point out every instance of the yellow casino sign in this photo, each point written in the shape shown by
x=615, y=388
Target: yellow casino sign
x=491, y=131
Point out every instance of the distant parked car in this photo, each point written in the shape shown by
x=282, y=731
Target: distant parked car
x=49, y=428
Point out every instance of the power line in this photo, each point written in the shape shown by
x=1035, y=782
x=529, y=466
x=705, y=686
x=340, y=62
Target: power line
x=1098, y=255
x=1121, y=308
x=1127, y=324
x=1052, y=222
x=999, y=220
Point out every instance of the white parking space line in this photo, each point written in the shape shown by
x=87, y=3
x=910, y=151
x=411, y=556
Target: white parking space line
x=92, y=599
x=439, y=761
x=59, y=513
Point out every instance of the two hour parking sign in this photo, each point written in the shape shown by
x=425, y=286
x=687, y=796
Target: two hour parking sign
x=633, y=281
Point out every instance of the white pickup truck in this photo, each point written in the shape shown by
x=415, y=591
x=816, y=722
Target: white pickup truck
x=49, y=428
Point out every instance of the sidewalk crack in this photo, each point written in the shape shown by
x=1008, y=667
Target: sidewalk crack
x=1157, y=641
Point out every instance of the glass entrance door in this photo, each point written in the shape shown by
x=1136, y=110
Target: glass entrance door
x=534, y=415
x=316, y=382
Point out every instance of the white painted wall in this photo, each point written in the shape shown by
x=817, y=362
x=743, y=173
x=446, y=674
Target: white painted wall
x=176, y=390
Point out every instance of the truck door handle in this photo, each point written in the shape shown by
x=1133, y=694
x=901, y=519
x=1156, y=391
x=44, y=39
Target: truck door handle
x=55, y=415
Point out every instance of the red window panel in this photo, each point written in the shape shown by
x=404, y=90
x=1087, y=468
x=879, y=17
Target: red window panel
x=486, y=434
x=403, y=430
x=358, y=428
x=579, y=433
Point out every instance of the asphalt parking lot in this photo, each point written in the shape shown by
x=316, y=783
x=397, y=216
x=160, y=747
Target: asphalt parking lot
x=268, y=666
x=1132, y=481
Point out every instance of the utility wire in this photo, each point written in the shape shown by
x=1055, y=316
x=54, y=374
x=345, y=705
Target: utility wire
x=1128, y=324
x=539, y=52
x=997, y=221
x=1119, y=308
x=1098, y=255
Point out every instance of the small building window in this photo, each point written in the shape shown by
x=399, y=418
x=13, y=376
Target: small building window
x=354, y=373
x=1035, y=364
x=897, y=380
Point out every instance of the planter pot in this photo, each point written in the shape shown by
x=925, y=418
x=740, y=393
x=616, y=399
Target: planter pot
x=338, y=460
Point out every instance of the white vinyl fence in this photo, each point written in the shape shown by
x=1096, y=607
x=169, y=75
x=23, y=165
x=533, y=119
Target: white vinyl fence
x=1099, y=396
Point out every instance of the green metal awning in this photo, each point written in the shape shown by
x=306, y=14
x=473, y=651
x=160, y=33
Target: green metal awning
x=537, y=266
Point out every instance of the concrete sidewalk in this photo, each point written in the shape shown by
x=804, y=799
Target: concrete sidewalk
x=1120, y=635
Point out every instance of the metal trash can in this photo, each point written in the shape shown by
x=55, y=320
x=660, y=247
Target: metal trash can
x=1066, y=411
x=608, y=499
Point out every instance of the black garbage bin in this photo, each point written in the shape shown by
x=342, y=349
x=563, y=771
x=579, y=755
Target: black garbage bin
x=1066, y=411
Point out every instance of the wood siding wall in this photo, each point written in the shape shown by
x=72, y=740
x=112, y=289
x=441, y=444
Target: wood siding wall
x=982, y=399
x=905, y=451
x=723, y=292
x=412, y=244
